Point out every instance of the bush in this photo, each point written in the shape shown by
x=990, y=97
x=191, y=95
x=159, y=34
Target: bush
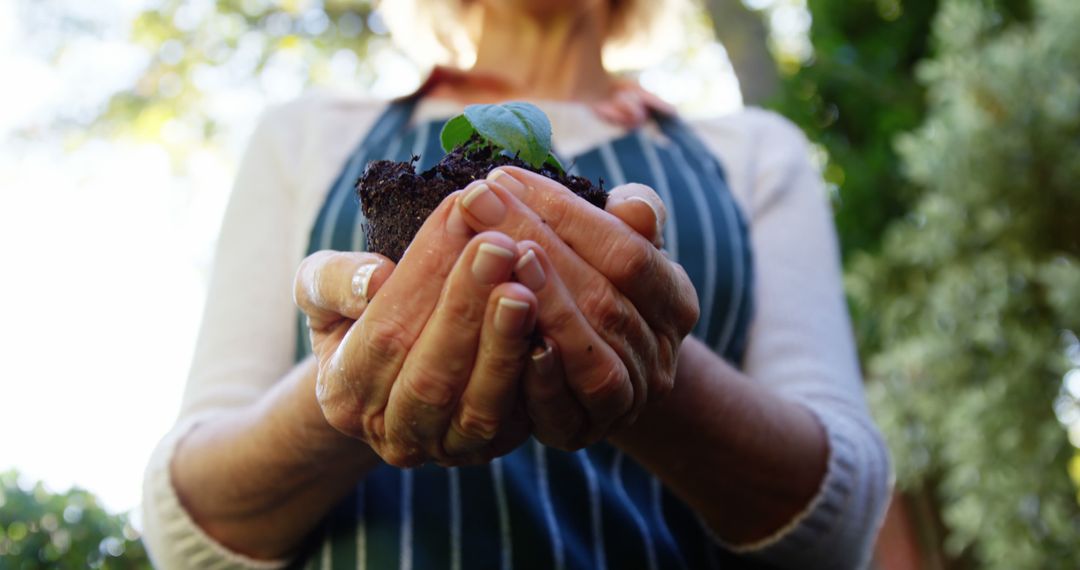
x=853, y=97
x=39, y=529
x=970, y=311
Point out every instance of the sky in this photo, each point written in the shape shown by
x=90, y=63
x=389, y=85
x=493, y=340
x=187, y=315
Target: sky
x=102, y=250
x=105, y=248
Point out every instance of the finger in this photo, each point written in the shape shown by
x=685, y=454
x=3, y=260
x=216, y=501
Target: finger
x=653, y=101
x=487, y=203
x=515, y=431
x=611, y=112
x=595, y=301
x=602, y=241
x=332, y=285
x=650, y=99
x=438, y=367
x=607, y=383
x=373, y=350
x=632, y=107
x=640, y=208
x=333, y=288
x=608, y=112
x=489, y=398
x=558, y=419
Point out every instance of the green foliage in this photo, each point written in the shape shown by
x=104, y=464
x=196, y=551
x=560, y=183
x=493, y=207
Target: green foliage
x=965, y=309
x=201, y=50
x=854, y=96
x=857, y=94
x=520, y=129
x=456, y=132
x=39, y=529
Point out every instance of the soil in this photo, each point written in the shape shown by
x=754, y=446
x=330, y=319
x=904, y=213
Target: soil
x=396, y=200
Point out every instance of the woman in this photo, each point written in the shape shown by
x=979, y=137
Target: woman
x=424, y=431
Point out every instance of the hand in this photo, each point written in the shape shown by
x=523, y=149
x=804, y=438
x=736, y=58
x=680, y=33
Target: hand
x=630, y=104
x=640, y=208
x=421, y=361
x=614, y=308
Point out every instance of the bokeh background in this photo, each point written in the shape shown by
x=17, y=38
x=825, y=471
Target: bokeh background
x=948, y=132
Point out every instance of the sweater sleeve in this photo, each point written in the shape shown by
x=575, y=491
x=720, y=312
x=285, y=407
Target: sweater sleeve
x=248, y=333
x=244, y=339
x=801, y=343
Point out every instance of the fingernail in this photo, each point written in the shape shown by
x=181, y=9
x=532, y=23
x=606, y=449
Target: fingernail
x=482, y=203
x=492, y=263
x=529, y=272
x=503, y=179
x=543, y=358
x=511, y=316
x=361, y=280
x=656, y=215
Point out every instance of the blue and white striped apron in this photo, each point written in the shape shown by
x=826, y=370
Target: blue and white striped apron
x=540, y=507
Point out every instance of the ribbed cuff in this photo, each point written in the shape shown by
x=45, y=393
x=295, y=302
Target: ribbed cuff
x=172, y=538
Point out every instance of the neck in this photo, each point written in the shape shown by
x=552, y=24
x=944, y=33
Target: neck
x=550, y=57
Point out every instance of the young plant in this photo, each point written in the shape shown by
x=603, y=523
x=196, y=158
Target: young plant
x=516, y=129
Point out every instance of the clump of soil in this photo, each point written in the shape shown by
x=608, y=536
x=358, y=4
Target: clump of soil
x=396, y=200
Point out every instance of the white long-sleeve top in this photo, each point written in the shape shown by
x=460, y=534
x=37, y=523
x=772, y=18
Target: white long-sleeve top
x=800, y=342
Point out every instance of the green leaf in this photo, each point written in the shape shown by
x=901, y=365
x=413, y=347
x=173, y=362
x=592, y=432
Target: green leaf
x=518, y=127
x=553, y=162
x=456, y=132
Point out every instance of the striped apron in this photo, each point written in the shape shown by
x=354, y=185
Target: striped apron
x=539, y=507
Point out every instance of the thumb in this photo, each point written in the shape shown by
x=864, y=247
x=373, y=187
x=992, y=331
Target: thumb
x=639, y=207
x=332, y=285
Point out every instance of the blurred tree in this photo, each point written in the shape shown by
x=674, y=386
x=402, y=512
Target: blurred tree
x=853, y=96
x=202, y=50
x=39, y=529
x=969, y=311
x=856, y=93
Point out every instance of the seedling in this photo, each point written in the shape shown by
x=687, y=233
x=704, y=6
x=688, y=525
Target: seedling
x=515, y=129
x=396, y=200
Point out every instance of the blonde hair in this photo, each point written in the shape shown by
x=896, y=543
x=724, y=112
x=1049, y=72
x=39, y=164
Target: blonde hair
x=437, y=31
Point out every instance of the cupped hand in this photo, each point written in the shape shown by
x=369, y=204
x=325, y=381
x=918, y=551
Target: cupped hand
x=614, y=310
x=422, y=360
